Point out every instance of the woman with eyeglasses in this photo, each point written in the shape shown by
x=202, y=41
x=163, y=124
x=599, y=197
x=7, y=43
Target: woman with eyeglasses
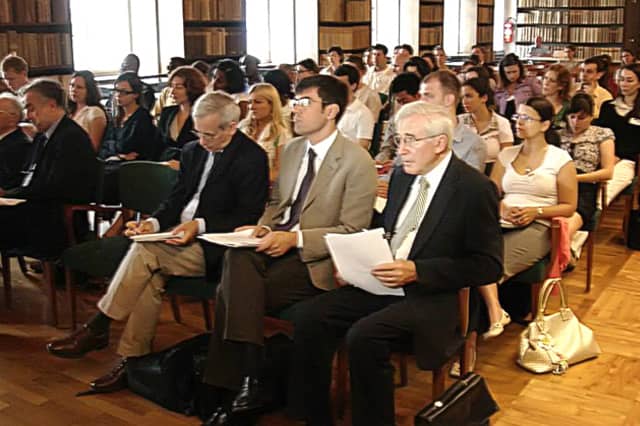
x=556, y=88
x=537, y=181
x=85, y=108
x=622, y=116
x=265, y=124
x=593, y=152
x=186, y=84
x=495, y=130
x=514, y=88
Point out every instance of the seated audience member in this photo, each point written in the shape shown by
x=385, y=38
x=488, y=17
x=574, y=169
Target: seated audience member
x=326, y=185
x=442, y=241
x=495, y=130
x=608, y=79
x=290, y=70
x=591, y=70
x=223, y=184
x=306, y=68
x=357, y=122
x=627, y=57
x=203, y=67
x=480, y=53
x=443, y=88
x=537, y=182
x=556, y=88
x=14, y=144
x=85, y=107
x=622, y=116
x=417, y=66
x=367, y=57
x=227, y=76
x=481, y=72
x=514, y=87
x=335, y=57
x=441, y=57
x=379, y=76
x=186, y=85
x=367, y=96
x=405, y=88
x=593, y=153
x=132, y=134
x=571, y=63
x=264, y=124
x=131, y=63
x=61, y=169
x=249, y=65
x=401, y=55
x=539, y=50
x=165, y=97
x=281, y=82
x=15, y=72
x=430, y=59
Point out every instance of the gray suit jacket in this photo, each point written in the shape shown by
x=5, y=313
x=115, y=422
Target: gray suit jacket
x=340, y=200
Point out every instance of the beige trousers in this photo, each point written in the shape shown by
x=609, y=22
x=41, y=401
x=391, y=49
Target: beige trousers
x=137, y=286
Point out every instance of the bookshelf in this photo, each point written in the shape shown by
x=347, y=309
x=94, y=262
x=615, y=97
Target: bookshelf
x=40, y=32
x=595, y=27
x=344, y=23
x=431, y=23
x=484, y=31
x=214, y=29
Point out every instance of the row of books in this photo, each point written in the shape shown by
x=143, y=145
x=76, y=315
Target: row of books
x=431, y=13
x=571, y=3
x=34, y=11
x=582, y=52
x=213, y=10
x=485, y=34
x=543, y=17
x=39, y=49
x=213, y=41
x=485, y=15
x=357, y=37
x=431, y=36
x=596, y=35
x=550, y=34
x=565, y=17
x=344, y=10
x=485, y=2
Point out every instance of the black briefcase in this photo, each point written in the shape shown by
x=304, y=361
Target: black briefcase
x=467, y=402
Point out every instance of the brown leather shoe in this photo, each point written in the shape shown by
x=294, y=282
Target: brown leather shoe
x=114, y=380
x=78, y=343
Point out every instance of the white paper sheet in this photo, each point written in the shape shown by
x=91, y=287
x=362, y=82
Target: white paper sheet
x=233, y=239
x=11, y=201
x=356, y=254
x=379, y=204
x=160, y=236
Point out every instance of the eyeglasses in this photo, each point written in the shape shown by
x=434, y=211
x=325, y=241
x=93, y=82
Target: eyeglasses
x=524, y=117
x=304, y=102
x=123, y=92
x=205, y=135
x=410, y=140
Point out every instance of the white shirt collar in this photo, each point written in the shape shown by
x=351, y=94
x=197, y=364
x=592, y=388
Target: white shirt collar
x=434, y=176
x=322, y=147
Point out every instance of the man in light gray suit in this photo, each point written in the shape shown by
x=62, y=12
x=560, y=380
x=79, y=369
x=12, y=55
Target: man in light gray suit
x=327, y=184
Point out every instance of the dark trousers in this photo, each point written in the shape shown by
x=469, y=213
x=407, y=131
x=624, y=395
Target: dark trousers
x=375, y=326
x=252, y=285
x=37, y=228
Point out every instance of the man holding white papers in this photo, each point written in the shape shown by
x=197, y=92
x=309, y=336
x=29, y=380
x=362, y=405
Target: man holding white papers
x=442, y=222
x=223, y=183
x=326, y=184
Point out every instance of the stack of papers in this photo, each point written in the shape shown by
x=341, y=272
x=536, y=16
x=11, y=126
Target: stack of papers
x=11, y=201
x=233, y=239
x=160, y=236
x=355, y=255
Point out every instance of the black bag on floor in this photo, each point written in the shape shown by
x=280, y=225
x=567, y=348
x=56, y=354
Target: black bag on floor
x=633, y=230
x=467, y=402
x=170, y=377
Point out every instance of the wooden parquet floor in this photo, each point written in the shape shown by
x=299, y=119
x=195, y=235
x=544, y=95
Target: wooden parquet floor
x=39, y=389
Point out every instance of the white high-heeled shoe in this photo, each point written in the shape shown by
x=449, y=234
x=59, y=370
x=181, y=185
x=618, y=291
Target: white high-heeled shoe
x=497, y=328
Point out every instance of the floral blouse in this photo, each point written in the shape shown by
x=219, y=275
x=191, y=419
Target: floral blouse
x=585, y=148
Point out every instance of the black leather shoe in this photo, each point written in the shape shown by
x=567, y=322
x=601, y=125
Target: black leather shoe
x=114, y=380
x=251, y=398
x=219, y=417
x=78, y=343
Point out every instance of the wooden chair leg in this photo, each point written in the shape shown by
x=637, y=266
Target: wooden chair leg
x=175, y=308
x=50, y=283
x=23, y=266
x=342, y=376
x=590, y=254
x=437, y=388
x=535, y=291
x=402, y=361
x=206, y=312
x=6, y=279
x=71, y=297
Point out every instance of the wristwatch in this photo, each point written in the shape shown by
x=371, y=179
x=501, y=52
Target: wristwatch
x=539, y=210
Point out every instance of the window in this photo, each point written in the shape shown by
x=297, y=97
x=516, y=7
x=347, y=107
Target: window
x=395, y=22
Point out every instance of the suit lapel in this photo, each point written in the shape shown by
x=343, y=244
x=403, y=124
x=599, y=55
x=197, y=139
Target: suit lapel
x=223, y=159
x=289, y=175
x=438, y=206
x=327, y=168
x=401, y=186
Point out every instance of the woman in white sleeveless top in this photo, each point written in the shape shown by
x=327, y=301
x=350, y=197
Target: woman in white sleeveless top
x=85, y=108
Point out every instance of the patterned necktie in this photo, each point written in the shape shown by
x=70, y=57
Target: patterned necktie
x=412, y=220
x=296, y=206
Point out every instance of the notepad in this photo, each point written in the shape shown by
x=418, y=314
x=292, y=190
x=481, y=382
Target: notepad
x=159, y=236
x=233, y=239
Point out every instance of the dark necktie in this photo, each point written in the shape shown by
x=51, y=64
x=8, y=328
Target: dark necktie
x=296, y=206
x=36, y=153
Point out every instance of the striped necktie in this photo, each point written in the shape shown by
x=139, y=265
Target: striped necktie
x=412, y=220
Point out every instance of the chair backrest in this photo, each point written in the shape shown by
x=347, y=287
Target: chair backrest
x=143, y=185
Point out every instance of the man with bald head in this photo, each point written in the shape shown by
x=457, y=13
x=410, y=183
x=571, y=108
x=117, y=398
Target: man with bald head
x=14, y=144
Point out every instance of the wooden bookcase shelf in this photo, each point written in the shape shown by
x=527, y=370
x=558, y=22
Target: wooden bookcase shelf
x=431, y=24
x=344, y=23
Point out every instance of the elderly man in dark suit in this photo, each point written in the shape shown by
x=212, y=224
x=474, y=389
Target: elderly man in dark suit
x=223, y=183
x=326, y=184
x=14, y=144
x=443, y=219
x=61, y=169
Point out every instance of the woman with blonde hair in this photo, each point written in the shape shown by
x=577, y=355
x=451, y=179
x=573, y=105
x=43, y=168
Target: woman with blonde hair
x=264, y=123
